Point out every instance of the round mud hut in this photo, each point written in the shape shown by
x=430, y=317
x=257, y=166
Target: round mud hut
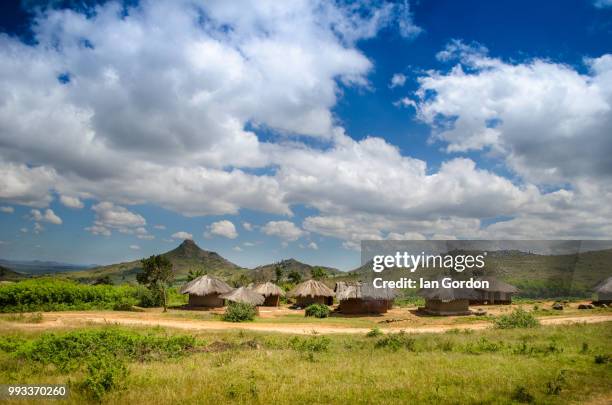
x=205, y=291
x=604, y=292
x=363, y=298
x=271, y=293
x=498, y=292
x=244, y=295
x=447, y=301
x=312, y=292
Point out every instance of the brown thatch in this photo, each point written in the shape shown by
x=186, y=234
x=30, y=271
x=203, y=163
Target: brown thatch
x=311, y=288
x=244, y=295
x=205, y=285
x=267, y=289
x=365, y=291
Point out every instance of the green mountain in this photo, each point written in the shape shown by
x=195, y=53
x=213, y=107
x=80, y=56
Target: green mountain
x=268, y=272
x=187, y=256
x=7, y=274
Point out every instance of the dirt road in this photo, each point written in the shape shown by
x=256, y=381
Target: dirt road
x=71, y=319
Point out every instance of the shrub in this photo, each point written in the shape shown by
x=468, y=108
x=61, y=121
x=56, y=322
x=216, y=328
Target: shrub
x=48, y=294
x=148, y=298
x=520, y=394
x=374, y=332
x=317, y=310
x=554, y=386
x=602, y=358
x=519, y=318
x=396, y=341
x=239, y=312
x=104, y=374
x=311, y=344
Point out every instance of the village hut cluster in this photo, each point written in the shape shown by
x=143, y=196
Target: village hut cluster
x=603, y=292
x=354, y=297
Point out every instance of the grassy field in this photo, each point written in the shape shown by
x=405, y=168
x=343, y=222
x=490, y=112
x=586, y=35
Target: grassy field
x=540, y=365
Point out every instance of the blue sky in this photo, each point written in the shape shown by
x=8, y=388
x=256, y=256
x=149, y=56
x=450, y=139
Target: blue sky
x=183, y=116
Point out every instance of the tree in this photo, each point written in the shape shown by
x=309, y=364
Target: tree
x=193, y=274
x=278, y=273
x=294, y=276
x=157, y=275
x=318, y=273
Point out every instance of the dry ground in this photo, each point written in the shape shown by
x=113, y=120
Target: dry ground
x=290, y=321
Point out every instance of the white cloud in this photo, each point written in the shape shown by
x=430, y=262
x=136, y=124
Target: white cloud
x=398, y=80
x=24, y=230
x=182, y=235
x=247, y=226
x=237, y=248
x=249, y=244
x=71, y=202
x=110, y=216
x=134, y=247
x=313, y=245
x=20, y=184
x=7, y=210
x=160, y=227
x=223, y=228
x=283, y=229
x=48, y=216
x=38, y=228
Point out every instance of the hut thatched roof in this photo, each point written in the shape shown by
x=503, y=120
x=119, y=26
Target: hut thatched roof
x=604, y=287
x=498, y=286
x=244, y=295
x=366, y=291
x=448, y=294
x=311, y=288
x=205, y=285
x=266, y=289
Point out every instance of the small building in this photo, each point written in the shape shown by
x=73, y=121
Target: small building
x=363, y=298
x=244, y=295
x=447, y=301
x=498, y=292
x=205, y=291
x=271, y=293
x=604, y=292
x=312, y=292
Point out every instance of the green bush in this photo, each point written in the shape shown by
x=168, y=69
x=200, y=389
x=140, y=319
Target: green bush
x=48, y=294
x=519, y=318
x=104, y=374
x=396, y=341
x=522, y=395
x=239, y=312
x=374, y=332
x=311, y=344
x=148, y=298
x=317, y=310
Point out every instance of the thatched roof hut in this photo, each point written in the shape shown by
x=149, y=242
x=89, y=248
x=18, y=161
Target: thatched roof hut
x=498, y=292
x=604, y=291
x=363, y=298
x=204, y=291
x=244, y=295
x=447, y=301
x=312, y=292
x=271, y=292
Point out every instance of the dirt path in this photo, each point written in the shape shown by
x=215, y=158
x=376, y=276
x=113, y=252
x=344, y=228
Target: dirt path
x=54, y=320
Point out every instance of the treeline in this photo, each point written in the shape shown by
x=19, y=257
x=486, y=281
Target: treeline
x=52, y=294
x=542, y=289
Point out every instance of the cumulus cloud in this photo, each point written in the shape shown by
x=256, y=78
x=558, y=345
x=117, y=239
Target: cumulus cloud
x=7, y=210
x=247, y=226
x=223, y=228
x=182, y=235
x=110, y=216
x=71, y=202
x=48, y=216
x=20, y=184
x=160, y=227
x=134, y=247
x=283, y=229
x=397, y=80
x=313, y=245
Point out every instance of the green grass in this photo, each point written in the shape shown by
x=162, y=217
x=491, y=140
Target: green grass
x=547, y=364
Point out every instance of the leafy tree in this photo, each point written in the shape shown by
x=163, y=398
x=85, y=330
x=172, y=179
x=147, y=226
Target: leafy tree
x=278, y=273
x=157, y=274
x=241, y=281
x=318, y=273
x=195, y=273
x=294, y=276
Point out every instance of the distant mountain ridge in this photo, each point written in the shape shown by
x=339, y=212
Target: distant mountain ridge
x=189, y=256
x=40, y=266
